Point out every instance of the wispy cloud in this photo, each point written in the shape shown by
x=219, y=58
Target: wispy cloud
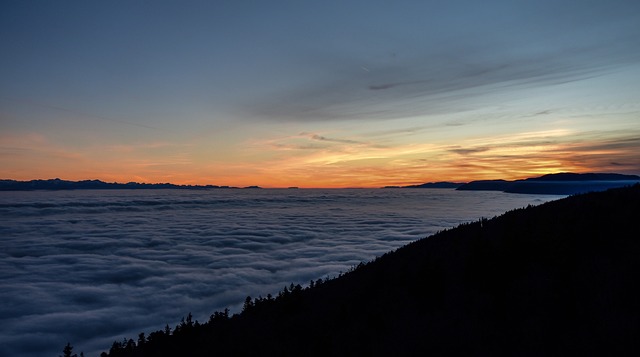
x=317, y=142
x=527, y=154
x=432, y=83
x=467, y=151
x=513, y=156
x=332, y=140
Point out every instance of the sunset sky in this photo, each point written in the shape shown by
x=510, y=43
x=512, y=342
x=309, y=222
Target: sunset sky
x=318, y=93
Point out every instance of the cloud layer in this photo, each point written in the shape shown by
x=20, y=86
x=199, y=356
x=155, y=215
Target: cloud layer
x=92, y=267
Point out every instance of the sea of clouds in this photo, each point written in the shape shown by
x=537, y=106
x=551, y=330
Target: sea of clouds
x=92, y=267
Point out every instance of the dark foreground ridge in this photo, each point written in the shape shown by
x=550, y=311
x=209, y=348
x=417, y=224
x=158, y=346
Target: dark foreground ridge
x=555, y=184
x=552, y=280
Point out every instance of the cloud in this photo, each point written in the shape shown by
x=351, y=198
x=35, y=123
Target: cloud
x=332, y=140
x=319, y=143
x=90, y=267
x=467, y=151
x=458, y=58
x=543, y=152
x=383, y=86
x=432, y=83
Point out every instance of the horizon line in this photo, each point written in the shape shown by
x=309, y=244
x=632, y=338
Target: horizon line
x=295, y=186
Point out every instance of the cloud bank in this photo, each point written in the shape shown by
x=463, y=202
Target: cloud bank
x=92, y=267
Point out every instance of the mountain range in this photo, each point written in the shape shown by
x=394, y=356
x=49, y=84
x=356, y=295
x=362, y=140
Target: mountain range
x=557, y=184
x=58, y=184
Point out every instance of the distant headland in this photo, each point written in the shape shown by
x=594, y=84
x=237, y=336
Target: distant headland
x=564, y=183
x=440, y=184
x=556, y=184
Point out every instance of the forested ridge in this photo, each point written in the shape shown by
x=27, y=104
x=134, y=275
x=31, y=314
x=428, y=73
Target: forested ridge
x=556, y=279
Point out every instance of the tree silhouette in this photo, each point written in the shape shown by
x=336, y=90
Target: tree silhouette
x=141, y=339
x=68, y=350
x=248, y=304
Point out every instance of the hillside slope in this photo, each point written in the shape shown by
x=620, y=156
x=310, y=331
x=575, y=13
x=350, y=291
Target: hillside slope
x=556, y=279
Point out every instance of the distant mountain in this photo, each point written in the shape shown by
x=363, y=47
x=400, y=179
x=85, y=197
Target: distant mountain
x=58, y=184
x=557, y=184
x=486, y=185
x=569, y=176
x=441, y=184
x=558, y=279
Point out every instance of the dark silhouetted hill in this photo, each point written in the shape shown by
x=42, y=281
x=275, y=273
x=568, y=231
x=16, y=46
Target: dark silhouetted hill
x=556, y=184
x=486, y=185
x=569, y=176
x=560, y=279
x=440, y=184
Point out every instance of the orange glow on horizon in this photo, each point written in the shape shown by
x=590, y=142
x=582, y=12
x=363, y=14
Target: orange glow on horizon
x=332, y=163
x=363, y=178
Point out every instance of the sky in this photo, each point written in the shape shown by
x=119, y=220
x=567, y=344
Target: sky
x=318, y=93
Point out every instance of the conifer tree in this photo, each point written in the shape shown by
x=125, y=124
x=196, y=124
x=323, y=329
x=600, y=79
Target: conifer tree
x=68, y=350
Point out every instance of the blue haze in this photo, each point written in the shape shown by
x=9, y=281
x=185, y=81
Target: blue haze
x=91, y=267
